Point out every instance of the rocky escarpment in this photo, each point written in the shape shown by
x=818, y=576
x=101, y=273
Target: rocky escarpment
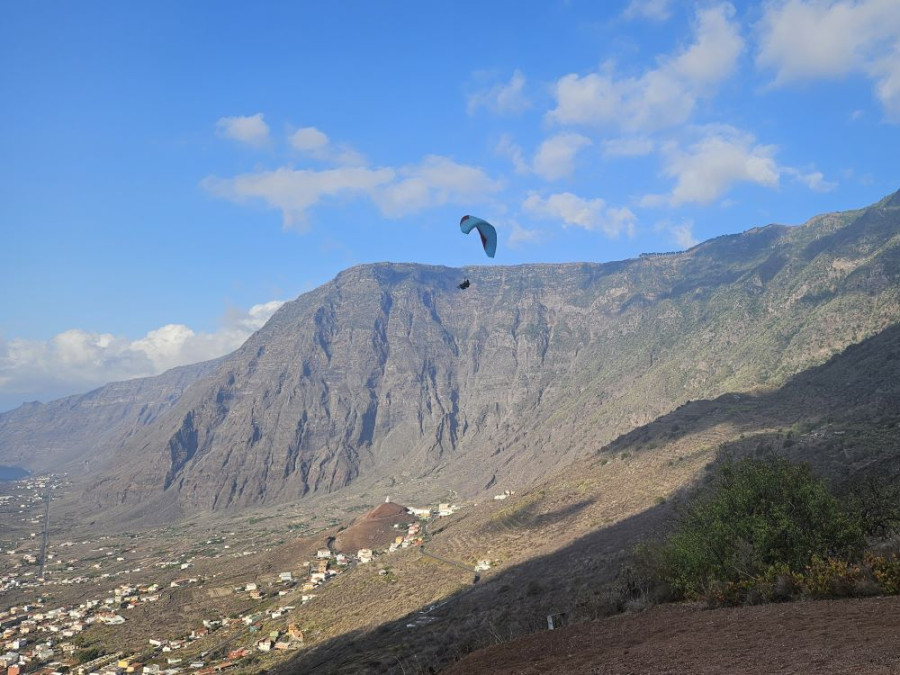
x=389, y=378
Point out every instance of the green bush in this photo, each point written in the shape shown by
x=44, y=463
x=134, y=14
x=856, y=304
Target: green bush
x=759, y=516
x=86, y=655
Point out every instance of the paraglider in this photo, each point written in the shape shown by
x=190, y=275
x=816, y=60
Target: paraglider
x=488, y=238
x=485, y=230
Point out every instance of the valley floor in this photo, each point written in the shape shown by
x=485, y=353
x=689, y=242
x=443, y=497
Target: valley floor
x=816, y=637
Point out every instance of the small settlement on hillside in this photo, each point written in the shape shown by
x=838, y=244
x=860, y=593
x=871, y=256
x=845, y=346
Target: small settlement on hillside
x=39, y=639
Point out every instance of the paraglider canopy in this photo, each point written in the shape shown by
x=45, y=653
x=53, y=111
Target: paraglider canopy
x=485, y=230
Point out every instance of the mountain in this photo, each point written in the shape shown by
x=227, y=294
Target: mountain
x=391, y=380
x=80, y=433
x=391, y=377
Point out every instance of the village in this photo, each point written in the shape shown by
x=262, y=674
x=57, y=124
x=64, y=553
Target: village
x=38, y=637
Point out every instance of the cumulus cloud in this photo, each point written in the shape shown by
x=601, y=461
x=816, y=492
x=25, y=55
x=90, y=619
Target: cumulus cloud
x=251, y=130
x=400, y=191
x=520, y=236
x=721, y=157
x=708, y=168
x=316, y=144
x=663, y=96
x=77, y=360
x=590, y=214
x=309, y=139
x=627, y=147
x=681, y=234
x=657, y=10
x=814, y=180
x=502, y=98
x=818, y=39
x=556, y=156
x=435, y=181
x=295, y=191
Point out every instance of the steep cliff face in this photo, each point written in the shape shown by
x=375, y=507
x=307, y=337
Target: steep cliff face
x=391, y=377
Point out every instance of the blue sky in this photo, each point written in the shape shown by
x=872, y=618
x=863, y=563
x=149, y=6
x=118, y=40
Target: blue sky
x=171, y=171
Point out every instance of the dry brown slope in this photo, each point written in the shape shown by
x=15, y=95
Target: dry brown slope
x=822, y=637
x=375, y=530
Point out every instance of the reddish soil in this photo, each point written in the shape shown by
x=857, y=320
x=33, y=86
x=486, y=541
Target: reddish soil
x=815, y=637
x=374, y=530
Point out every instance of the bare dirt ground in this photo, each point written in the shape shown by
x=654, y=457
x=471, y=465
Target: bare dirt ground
x=816, y=637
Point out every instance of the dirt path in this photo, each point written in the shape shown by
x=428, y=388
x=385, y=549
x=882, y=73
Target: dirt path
x=815, y=637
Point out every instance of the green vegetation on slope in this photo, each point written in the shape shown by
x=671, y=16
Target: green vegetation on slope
x=769, y=529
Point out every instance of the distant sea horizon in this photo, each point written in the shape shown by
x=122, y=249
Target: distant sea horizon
x=9, y=473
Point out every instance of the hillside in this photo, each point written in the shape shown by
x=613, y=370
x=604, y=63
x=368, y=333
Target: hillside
x=375, y=530
x=844, y=637
x=559, y=547
x=390, y=380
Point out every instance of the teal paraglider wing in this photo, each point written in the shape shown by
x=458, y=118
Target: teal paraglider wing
x=485, y=230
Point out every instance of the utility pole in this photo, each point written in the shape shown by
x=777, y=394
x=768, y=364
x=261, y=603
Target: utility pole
x=46, y=531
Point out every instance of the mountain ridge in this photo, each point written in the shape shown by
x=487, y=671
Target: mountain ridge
x=391, y=380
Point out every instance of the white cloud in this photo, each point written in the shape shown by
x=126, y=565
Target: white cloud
x=661, y=97
x=251, y=130
x=658, y=10
x=556, y=156
x=590, y=214
x=520, y=236
x=627, y=147
x=435, y=181
x=315, y=143
x=502, y=98
x=397, y=192
x=295, y=191
x=554, y=159
x=887, y=85
x=309, y=139
x=681, y=234
x=814, y=180
x=709, y=167
x=721, y=157
x=78, y=360
x=820, y=39
x=507, y=147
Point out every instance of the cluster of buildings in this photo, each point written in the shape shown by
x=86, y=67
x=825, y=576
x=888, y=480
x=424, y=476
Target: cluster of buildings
x=40, y=640
x=32, y=633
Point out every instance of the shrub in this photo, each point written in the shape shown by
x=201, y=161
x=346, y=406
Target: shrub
x=759, y=516
x=832, y=577
x=886, y=570
x=86, y=655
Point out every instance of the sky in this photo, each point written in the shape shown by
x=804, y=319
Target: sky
x=171, y=172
